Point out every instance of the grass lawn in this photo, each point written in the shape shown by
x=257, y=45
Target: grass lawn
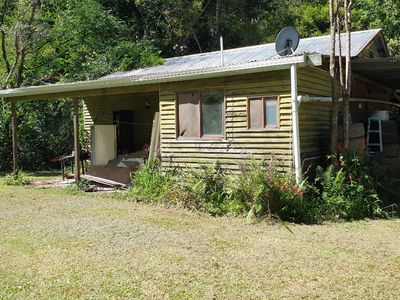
x=55, y=245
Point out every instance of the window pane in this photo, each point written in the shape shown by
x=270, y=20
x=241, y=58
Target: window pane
x=256, y=113
x=212, y=107
x=189, y=115
x=271, y=112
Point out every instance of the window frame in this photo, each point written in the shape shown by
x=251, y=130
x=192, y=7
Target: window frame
x=202, y=135
x=264, y=127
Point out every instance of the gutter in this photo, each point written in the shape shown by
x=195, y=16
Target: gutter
x=157, y=78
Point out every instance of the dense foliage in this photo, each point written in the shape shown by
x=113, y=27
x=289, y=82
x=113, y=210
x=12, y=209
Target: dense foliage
x=260, y=190
x=50, y=41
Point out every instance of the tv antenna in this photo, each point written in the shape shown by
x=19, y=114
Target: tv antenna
x=287, y=41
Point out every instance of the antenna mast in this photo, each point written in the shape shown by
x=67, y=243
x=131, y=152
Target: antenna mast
x=221, y=44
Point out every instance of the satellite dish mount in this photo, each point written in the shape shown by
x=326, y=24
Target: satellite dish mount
x=287, y=41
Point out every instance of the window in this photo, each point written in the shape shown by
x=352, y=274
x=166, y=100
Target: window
x=263, y=112
x=200, y=114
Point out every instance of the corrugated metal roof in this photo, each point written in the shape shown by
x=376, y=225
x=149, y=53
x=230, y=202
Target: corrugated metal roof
x=162, y=77
x=245, y=55
x=236, y=61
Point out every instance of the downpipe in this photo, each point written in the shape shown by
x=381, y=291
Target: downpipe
x=295, y=124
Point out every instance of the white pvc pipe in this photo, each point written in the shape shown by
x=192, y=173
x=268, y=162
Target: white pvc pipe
x=295, y=124
x=221, y=43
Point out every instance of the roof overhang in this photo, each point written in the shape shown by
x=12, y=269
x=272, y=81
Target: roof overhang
x=150, y=82
x=385, y=71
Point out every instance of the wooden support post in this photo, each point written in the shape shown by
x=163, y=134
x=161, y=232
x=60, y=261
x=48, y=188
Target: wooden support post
x=14, y=137
x=77, y=149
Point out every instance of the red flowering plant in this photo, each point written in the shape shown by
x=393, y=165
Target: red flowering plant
x=353, y=162
x=350, y=192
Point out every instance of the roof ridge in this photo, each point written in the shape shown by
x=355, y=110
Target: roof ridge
x=266, y=44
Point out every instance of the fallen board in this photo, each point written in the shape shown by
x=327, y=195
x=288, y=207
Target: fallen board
x=104, y=181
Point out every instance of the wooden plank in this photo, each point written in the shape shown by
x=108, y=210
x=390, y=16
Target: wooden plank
x=77, y=150
x=154, y=136
x=103, y=181
x=14, y=137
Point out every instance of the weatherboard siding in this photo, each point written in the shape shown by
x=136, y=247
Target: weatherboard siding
x=240, y=144
x=314, y=117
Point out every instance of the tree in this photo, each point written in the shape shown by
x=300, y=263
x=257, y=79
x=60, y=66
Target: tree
x=333, y=11
x=22, y=34
x=57, y=41
x=347, y=84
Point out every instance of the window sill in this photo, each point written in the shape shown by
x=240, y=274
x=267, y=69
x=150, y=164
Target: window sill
x=267, y=129
x=205, y=139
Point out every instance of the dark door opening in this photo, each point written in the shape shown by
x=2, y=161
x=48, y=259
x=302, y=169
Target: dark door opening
x=125, y=137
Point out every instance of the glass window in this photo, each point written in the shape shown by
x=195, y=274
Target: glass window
x=271, y=112
x=263, y=112
x=212, y=104
x=200, y=114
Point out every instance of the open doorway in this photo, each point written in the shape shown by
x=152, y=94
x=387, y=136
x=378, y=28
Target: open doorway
x=124, y=119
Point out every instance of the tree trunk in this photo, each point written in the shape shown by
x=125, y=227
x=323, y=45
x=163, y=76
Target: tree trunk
x=347, y=86
x=334, y=85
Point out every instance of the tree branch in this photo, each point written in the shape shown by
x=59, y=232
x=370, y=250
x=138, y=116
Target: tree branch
x=3, y=36
x=23, y=50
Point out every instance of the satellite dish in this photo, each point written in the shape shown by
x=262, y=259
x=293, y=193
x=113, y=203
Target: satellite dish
x=287, y=41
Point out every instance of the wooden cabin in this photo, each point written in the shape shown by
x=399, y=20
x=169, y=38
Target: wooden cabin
x=226, y=107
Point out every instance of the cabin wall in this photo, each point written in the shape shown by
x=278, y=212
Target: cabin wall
x=240, y=143
x=99, y=111
x=314, y=117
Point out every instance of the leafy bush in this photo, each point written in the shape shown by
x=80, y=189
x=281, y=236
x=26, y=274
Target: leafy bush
x=261, y=190
x=79, y=186
x=351, y=192
x=203, y=189
x=16, y=179
x=150, y=182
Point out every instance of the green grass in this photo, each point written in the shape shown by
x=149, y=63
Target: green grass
x=55, y=245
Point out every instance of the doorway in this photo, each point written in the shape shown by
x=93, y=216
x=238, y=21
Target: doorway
x=124, y=119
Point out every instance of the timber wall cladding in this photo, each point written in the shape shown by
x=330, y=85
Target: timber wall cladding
x=314, y=117
x=240, y=144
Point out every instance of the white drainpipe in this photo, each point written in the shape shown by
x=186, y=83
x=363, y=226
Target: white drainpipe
x=295, y=124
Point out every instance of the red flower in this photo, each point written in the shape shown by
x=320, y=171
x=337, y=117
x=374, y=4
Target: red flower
x=341, y=160
x=340, y=148
x=351, y=178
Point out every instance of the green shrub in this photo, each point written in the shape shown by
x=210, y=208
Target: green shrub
x=151, y=183
x=203, y=189
x=262, y=190
x=79, y=186
x=351, y=192
x=16, y=179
